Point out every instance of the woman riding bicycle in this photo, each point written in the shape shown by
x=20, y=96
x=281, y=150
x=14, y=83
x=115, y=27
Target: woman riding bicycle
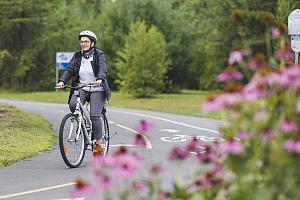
x=88, y=66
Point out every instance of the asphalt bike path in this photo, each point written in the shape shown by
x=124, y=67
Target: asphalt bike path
x=47, y=177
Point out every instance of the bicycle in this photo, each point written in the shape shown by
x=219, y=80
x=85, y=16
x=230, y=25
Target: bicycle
x=75, y=132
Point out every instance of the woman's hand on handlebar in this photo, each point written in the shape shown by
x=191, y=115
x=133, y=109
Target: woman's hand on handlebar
x=60, y=84
x=98, y=82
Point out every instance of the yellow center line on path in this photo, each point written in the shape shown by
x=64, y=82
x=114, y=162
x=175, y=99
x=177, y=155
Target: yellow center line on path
x=37, y=190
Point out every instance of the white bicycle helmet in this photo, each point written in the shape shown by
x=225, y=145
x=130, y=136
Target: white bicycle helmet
x=92, y=36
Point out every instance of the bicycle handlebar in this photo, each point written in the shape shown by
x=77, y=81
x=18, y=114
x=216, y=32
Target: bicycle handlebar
x=76, y=87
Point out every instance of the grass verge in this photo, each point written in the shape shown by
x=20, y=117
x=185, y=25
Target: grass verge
x=22, y=135
x=188, y=102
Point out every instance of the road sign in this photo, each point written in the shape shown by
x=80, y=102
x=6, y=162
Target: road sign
x=294, y=32
x=63, y=59
x=295, y=43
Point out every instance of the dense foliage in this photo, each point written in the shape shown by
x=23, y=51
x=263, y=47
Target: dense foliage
x=143, y=62
x=198, y=33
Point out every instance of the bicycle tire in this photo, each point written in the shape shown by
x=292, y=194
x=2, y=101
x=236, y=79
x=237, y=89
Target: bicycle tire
x=106, y=136
x=66, y=145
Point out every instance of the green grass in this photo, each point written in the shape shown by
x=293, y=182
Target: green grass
x=22, y=135
x=188, y=102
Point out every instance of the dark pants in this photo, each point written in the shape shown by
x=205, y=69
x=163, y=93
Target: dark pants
x=97, y=100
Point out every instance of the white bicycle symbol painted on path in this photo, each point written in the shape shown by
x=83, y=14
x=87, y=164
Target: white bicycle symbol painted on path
x=184, y=138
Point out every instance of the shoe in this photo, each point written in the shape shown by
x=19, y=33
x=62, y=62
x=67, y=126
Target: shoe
x=98, y=150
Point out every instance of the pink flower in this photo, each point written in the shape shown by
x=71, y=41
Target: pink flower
x=178, y=154
x=232, y=147
x=138, y=185
x=192, y=145
x=212, y=154
x=139, y=140
x=254, y=90
x=252, y=64
x=243, y=135
x=284, y=55
x=99, y=162
x=288, y=78
x=230, y=74
x=143, y=126
x=212, y=178
x=105, y=182
x=126, y=165
x=266, y=135
x=163, y=195
x=275, y=33
x=156, y=170
x=260, y=115
x=82, y=189
x=212, y=105
x=288, y=126
x=236, y=56
x=292, y=146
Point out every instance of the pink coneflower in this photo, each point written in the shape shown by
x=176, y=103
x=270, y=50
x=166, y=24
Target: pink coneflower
x=252, y=64
x=192, y=145
x=253, y=91
x=163, y=195
x=82, y=189
x=275, y=33
x=138, y=185
x=260, y=115
x=236, y=56
x=230, y=74
x=243, y=134
x=156, y=170
x=284, y=55
x=126, y=165
x=139, y=140
x=143, y=126
x=266, y=135
x=178, y=153
x=210, y=155
x=277, y=78
x=292, y=146
x=99, y=162
x=288, y=126
x=105, y=182
x=211, y=179
x=212, y=105
x=232, y=147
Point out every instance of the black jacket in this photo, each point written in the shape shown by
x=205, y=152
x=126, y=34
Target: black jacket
x=99, y=69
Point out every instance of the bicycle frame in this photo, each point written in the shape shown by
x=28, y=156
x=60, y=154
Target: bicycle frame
x=82, y=115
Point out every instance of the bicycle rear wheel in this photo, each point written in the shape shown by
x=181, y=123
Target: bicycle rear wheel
x=72, y=146
x=105, y=134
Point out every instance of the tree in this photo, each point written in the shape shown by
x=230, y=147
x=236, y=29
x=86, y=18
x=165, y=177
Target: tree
x=143, y=62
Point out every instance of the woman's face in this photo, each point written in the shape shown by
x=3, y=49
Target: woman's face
x=85, y=43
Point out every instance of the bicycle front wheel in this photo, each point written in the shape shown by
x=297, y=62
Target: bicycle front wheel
x=105, y=134
x=71, y=143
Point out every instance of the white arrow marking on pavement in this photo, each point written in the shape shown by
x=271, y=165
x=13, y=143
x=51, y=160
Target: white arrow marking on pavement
x=148, y=144
x=170, y=130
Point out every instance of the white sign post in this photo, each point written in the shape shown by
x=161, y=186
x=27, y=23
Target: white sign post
x=294, y=32
x=62, y=61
